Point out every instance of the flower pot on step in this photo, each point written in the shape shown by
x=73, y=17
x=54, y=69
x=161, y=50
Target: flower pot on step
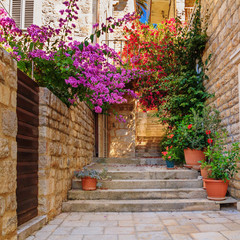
x=205, y=172
x=170, y=164
x=89, y=184
x=216, y=189
x=192, y=156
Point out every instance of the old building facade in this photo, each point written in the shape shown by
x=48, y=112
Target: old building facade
x=69, y=138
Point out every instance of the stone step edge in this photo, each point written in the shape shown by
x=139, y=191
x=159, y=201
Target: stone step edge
x=140, y=205
x=148, y=205
x=139, y=190
x=144, y=201
x=146, y=180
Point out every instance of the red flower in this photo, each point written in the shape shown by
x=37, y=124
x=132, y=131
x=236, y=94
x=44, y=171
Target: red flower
x=171, y=136
x=169, y=157
x=208, y=132
x=210, y=140
x=189, y=126
x=164, y=153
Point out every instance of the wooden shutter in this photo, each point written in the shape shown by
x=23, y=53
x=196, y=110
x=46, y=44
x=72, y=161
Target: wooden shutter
x=16, y=11
x=29, y=8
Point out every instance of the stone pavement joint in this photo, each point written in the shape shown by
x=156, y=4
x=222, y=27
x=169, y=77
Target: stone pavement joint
x=197, y=225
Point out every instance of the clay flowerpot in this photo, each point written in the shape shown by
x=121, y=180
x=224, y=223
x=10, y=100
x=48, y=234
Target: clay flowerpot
x=192, y=156
x=170, y=164
x=216, y=189
x=205, y=172
x=89, y=184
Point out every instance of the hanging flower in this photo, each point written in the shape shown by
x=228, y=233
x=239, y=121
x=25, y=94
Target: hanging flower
x=208, y=132
x=189, y=126
x=169, y=157
x=164, y=153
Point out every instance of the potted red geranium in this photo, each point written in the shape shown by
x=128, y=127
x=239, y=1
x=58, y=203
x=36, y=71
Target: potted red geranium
x=223, y=163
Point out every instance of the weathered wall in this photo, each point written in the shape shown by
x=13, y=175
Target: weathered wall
x=149, y=133
x=50, y=12
x=121, y=136
x=8, y=146
x=224, y=45
x=66, y=143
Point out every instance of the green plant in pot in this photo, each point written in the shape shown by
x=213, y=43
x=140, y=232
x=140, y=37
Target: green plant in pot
x=90, y=178
x=194, y=132
x=223, y=162
x=169, y=155
x=192, y=139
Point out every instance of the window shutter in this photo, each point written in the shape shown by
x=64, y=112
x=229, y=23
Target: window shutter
x=16, y=11
x=29, y=8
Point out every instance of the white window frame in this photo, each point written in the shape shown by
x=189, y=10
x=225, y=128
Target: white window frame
x=22, y=12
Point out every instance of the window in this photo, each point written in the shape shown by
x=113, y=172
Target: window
x=22, y=12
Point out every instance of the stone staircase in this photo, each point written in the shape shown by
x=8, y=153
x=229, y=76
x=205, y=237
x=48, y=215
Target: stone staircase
x=139, y=185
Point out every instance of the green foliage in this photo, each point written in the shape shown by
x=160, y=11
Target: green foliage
x=194, y=130
x=223, y=161
x=185, y=92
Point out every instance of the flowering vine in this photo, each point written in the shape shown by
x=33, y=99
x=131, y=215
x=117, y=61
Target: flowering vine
x=73, y=70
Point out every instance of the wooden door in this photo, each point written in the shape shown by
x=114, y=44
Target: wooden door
x=27, y=148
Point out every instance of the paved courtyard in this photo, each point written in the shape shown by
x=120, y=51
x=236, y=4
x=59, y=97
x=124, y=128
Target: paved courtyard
x=219, y=225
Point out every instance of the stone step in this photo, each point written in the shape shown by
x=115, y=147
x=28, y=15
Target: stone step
x=127, y=194
x=145, y=184
x=150, y=173
x=137, y=161
x=140, y=205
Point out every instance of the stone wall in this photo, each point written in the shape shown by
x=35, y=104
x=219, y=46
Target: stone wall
x=121, y=135
x=224, y=45
x=8, y=146
x=50, y=13
x=66, y=143
x=149, y=134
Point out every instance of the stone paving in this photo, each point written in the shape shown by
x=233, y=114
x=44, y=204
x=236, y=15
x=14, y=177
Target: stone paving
x=217, y=225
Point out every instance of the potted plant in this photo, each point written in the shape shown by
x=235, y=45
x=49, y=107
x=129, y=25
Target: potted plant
x=223, y=167
x=169, y=156
x=194, y=133
x=89, y=178
x=192, y=139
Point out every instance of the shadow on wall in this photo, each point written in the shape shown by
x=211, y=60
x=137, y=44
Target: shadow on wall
x=121, y=5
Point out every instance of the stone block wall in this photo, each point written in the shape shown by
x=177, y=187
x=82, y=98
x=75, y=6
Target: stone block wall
x=149, y=134
x=224, y=45
x=121, y=135
x=50, y=12
x=66, y=143
x=8, y=146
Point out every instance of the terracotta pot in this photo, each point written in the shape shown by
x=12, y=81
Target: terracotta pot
x=192, y=156
x=89, y=184
x=216, y=189
x=205, y=172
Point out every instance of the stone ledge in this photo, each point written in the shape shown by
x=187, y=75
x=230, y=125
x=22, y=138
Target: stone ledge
x=31, y=226
x=238, y=206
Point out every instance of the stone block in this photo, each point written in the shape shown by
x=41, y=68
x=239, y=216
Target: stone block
x=9, y=223
x=14, y=150
x=9, y=123
x=7, y=176
x=2, y=206
x=4, y=94
x=4, y=149
x=11, y=79
x=14, y=99
x=11, y=202
x=44, y=95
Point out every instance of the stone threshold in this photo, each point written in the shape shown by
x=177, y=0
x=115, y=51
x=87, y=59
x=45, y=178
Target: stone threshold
x=28, y=228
